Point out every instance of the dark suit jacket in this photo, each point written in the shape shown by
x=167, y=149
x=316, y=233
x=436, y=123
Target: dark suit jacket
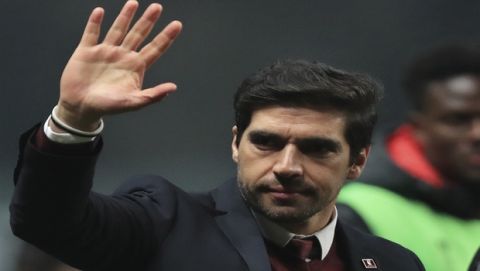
x=149, y=224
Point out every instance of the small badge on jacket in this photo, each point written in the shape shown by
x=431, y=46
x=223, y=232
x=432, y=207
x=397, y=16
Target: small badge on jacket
x=369, y=264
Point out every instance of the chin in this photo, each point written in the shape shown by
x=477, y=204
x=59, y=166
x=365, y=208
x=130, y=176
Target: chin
x=286, y=214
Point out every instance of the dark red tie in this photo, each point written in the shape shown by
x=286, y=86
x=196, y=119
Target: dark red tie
x=305, y=249
x=303, y=255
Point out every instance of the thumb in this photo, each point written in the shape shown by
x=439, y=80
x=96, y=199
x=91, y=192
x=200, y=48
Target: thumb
x=154, y=94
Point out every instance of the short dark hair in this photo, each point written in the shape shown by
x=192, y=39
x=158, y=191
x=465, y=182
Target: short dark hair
x=311, y=84
x=436, y=65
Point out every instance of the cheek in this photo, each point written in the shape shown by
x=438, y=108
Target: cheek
x=251, y=168
x=439, y=138
x=446, y=134
x=445, y=150
x=330, y=176
x=443, y=143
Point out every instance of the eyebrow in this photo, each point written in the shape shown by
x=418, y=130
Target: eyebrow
x=302, y=143
x=262, y=133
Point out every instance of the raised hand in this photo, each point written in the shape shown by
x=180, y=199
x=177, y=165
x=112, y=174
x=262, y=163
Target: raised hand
x=106, y=78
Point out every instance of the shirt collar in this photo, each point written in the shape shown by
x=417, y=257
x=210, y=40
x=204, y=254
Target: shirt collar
x=280, y=236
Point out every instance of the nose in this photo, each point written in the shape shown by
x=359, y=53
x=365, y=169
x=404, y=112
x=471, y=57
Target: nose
x=288, y=164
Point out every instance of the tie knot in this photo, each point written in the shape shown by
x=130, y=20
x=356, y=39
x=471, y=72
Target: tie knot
x=306, y=248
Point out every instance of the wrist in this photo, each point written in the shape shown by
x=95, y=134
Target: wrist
x=76, y=120
x=59, y=135
x=62, y=126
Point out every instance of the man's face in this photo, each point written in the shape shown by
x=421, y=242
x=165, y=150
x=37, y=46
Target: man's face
x=449, y=128
x=292, y=162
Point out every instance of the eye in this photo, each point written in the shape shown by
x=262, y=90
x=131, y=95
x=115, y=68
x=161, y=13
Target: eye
x=319, y=151
x=318, y=148
x=266, y=142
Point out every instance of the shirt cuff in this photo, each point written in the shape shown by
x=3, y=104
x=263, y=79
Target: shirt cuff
x=64, y=138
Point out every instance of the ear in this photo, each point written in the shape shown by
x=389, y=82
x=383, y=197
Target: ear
x=357, y=167
x=234, y=144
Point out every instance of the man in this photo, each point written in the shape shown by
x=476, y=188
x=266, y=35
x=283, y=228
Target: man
x=424, y=190
x=302, y=128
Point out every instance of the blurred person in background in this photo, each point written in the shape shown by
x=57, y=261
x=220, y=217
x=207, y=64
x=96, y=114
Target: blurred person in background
x=422, y=189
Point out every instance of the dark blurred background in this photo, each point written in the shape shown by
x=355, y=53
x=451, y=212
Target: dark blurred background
x=186, y=138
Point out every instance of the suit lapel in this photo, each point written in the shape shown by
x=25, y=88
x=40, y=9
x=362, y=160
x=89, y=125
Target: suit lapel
x=240, y=227
x=355, y=251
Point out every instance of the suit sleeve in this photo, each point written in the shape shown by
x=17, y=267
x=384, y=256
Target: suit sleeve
x=54, y=208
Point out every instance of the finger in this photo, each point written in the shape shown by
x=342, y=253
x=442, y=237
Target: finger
x=152, y=51
x=152, y=95
x=119, y=28
x=92, y=29
x=142, y=27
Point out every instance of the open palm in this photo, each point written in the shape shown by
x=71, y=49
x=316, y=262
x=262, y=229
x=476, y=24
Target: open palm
x=107, y=77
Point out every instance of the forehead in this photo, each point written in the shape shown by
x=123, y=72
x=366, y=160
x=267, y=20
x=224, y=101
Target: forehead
x=461, y=93
x=299, y=122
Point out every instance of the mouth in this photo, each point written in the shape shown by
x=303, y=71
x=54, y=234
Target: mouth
x=282, y=193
